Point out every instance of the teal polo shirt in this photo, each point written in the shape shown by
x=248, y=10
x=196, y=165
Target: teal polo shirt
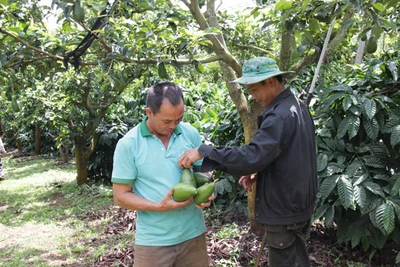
x=141, y=159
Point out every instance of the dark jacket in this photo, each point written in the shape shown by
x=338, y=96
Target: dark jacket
x=283, y=154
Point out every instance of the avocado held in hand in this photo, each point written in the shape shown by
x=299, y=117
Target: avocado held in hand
x=187, y=177
x=203, y=193
x=183, y=191
x=201, y=178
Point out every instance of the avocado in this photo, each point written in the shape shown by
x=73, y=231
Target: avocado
x=187, y=177
x=203, y=193
x=78, y=13
x=201, y=178
x=372, y=46
x=183, y=191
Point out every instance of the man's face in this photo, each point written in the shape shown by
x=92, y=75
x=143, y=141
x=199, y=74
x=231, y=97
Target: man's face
x=163, y=123
x=263, y=93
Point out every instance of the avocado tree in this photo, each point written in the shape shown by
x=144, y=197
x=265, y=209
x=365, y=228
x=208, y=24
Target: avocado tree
x=99, y=40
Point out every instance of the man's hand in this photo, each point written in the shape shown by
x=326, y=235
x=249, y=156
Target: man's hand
x=188, y=157
x=125, y=198
x=206, y=204
x=167, y=203
x=247, y=181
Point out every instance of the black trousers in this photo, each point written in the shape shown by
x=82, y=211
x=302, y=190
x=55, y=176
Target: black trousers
x=287, y=246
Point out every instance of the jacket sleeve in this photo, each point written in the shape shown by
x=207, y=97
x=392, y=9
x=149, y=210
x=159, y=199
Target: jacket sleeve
x=263, y=148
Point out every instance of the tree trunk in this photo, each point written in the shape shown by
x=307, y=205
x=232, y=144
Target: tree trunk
x=360, y=52
x=81, y=159
x=19, y=146
x=64, y=152
x=38, y=139
x=248, y=116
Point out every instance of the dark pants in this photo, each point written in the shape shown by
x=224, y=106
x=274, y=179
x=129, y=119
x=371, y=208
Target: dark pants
x=191, y=253
x=287, y=246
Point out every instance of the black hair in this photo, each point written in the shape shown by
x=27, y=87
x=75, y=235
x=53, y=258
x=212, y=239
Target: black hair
x=158, y=92
x=278, y=77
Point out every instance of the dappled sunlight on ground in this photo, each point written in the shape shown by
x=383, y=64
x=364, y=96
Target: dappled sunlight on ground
x=29, y=238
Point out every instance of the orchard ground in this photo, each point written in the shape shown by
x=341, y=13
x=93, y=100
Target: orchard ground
x=46, y=220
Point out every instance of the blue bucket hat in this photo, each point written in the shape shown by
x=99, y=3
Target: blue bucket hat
x=259, y=69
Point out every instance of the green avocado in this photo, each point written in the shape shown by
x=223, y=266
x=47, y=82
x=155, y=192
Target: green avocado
x=203, y=193
x=187, y=177
x=372, y=46
x=183, y=191
x=78, y=13
x=201, y=178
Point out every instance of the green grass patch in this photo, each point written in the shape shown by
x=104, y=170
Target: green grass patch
x=47, y=220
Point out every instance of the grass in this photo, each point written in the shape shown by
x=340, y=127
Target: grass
x=45, y=218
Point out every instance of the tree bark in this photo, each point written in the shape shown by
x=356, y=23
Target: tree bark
x=360, y=52
x=64, y=153
x=19, y=146
x=81, y=158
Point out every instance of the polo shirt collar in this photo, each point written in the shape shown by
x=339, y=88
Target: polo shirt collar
x=146, y=132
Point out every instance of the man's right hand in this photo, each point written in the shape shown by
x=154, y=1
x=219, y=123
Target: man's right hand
x=247, y=181
x=167, y=203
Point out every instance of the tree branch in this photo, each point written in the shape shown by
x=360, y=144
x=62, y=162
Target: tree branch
x=29, y=46
x=218, y=42
x=106, y=46
x=262, y=50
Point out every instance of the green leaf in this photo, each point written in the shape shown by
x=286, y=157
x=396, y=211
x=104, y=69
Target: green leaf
x=360, y=196
x=314, y=24
x=343, y=127
x=341, y=87
x=353, y=168
x=396, y=188
x=393, y=70
x=320, y=212
x=345, y=190
x=322, y=162
x=329, y=215
x=354, y=126
x=199, y=67
x=385, y=218
x=347, y=102
x=327, y=186
x=379, y=7
x=4, y=2
x=283, y=5
x=332, y=98
x=370, y=107
x=375, y=162
x=360, y=179
x=395, y=136
x=374, y=188
x=371, y=127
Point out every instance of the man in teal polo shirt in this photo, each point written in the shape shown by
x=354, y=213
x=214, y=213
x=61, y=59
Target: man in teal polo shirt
x=168, y=233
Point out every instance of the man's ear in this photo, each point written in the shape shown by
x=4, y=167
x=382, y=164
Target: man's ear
x=148, y=111
x=271, y=81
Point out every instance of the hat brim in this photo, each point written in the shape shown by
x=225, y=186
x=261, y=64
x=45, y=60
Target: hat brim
x=258, y=78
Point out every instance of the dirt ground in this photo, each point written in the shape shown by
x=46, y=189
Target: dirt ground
x=323, y=247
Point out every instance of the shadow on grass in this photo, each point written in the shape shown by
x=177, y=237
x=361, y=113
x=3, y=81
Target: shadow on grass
x=16, y=255
x=25, y=168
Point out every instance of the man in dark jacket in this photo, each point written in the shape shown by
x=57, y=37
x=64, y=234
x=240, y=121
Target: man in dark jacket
x=281, y=156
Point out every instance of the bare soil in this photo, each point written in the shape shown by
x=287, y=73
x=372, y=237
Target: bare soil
x=324, y=249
